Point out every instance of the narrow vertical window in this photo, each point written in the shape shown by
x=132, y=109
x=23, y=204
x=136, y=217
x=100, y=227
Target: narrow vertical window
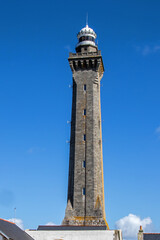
x=84, y=112
x=84, y=87
x=84, y=191
x=84, y=137
x=99, y=123
x=84, y=164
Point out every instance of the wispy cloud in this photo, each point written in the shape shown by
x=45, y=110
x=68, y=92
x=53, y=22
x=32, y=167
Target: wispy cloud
x=30, y=150
x=17, y=221
x=157, y=131
x=35, y=149
x=68, y=48
x=130, y=225
x=148, y=49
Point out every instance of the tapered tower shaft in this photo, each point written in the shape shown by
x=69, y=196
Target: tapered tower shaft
x=85, y=204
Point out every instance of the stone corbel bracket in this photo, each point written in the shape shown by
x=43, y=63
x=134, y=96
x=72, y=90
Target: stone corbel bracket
x=86, y=62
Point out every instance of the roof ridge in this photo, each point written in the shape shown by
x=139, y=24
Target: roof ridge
x=6, y=220
x=151, y=233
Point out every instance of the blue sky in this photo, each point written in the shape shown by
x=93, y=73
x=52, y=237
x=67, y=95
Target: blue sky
x=35, y=40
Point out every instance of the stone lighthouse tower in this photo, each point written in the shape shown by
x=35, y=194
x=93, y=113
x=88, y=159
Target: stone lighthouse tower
x=85, y=203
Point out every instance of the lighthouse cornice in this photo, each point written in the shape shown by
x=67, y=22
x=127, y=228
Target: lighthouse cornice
x=86, y=61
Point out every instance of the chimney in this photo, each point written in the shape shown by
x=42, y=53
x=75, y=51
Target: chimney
x=140, y=233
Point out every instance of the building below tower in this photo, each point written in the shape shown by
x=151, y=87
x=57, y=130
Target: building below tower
x=72, y=233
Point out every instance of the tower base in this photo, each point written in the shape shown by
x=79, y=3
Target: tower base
x=84, y=221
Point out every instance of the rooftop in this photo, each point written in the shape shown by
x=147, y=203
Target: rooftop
x=12, y=231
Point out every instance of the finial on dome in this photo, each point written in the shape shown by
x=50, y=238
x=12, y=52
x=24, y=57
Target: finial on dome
x=87, y=20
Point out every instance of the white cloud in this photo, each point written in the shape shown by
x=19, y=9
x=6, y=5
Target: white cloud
x=17, y=221
x=50, y=223
x=130, y=225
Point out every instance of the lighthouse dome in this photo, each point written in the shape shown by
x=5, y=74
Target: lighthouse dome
x=86, y=31
x=86, y=37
